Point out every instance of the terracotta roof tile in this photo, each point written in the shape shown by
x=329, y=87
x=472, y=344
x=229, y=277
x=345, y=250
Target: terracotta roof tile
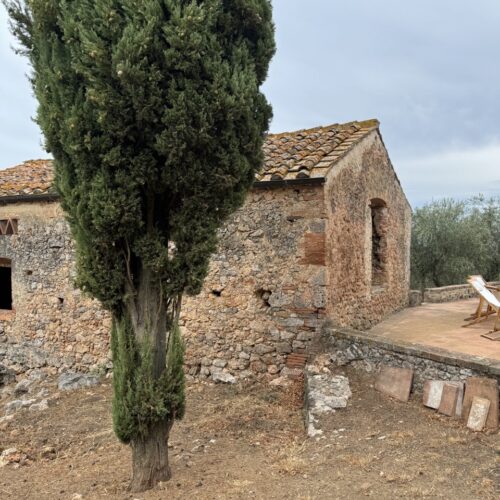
x=30, y=178
x=310, y=153
x=291, y=155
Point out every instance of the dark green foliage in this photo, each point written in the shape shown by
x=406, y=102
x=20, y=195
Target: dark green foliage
x=153, y=112
x=141, y=400
x=452, y=239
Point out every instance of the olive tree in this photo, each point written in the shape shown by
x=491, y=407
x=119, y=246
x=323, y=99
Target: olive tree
x=454, y=238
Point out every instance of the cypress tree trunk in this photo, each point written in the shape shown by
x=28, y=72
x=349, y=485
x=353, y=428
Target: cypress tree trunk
x=150, y=457
x=152, y=319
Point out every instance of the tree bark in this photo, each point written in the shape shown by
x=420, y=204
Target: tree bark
x=150, y=458
x=153, y=317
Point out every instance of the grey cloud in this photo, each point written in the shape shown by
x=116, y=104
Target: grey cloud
x=457, y=173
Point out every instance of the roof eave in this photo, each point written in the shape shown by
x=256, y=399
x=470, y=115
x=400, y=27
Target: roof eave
x=28, y=198
x=307, y=181
x=53, y=197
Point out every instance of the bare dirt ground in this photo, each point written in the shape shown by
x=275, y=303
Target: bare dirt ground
x=248, y=441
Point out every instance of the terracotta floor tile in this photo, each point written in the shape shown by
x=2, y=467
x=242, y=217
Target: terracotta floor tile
x=440, y=325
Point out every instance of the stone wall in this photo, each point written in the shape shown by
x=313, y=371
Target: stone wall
x=263, y=299
x=287, y=259
x=451, y=293
x=366, y=351
x=265, y=293
x=52, y=323
x=362, y=181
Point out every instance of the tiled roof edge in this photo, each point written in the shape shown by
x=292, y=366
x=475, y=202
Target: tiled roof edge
x=351, y=134
x=372, y=123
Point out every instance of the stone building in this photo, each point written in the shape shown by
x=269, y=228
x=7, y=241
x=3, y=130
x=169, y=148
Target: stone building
x=323, y=235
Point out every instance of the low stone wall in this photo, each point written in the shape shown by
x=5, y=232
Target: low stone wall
x=367, y=351
x=451, y=293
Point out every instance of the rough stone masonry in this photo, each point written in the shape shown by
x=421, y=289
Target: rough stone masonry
x=324, y=233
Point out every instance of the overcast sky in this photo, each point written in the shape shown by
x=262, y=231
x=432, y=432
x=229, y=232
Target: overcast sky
x=428, y=70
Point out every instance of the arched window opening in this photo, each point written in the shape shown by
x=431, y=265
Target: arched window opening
x=379, y=227
x=5, y=284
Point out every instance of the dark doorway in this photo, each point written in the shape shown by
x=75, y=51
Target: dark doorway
x=5, y=284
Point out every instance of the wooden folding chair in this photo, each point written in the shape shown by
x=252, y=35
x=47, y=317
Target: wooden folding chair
x=481, y=282
x=480, y=279
x=487, y=298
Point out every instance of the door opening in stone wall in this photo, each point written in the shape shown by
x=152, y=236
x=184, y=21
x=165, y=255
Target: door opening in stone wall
x=379, y=228
x=5, y=284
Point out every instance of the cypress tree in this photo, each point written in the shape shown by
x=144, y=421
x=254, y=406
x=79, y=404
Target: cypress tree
x=153, y=113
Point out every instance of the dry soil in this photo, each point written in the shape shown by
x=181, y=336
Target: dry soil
x=248, y=441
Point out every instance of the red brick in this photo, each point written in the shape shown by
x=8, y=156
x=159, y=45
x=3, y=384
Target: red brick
x=296, y=360
x=314, y=249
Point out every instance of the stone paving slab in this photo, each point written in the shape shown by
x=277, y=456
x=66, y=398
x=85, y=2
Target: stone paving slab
x=395, y=382
x=433, y=392
x=482, y=388
x=449, y=399
x=478, y=413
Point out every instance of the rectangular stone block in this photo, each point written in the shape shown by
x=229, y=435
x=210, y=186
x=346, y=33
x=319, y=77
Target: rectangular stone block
x=478, y=414
x=395, y=382
x=482, y=388
x=449, y=398
x=433, y=390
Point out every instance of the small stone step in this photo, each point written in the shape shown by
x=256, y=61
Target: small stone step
x=324, y=393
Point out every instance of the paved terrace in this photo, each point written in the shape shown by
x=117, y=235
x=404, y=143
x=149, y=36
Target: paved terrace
x=440, y=325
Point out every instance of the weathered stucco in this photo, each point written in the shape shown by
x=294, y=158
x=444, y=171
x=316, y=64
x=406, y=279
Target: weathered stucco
x=292, y=256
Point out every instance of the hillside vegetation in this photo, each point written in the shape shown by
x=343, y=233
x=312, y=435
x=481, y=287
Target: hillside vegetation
x=454, y=238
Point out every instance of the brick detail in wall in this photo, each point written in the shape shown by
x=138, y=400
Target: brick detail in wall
x=296, y=360
x=314, y=249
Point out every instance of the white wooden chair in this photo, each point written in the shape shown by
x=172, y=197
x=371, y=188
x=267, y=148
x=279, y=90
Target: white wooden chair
x=486, y=298
x=480, y=279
